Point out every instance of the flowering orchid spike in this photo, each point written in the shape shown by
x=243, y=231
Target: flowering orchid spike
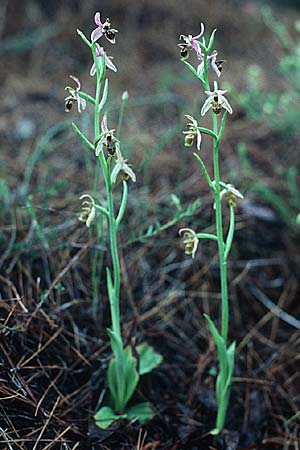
x=88, y=210
x=103, y=29
x=216, y=101
x=122, y=167
x=190, y=241
x=108, y=60
x=74, y=96
x=192, y=132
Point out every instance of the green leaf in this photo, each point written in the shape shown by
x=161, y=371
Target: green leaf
x=141, y=411
x=116, y=371
x=113, y=302
x=222, y=356
x=104, y=96
x=149, y=358
x=82, y=136
x=176, y=202
x=230, y=364
x=219, y=341
x=112, y=376
x=116, y=343
x=193, y=70
x=105, y=416
x=111, y=291
x=131, y=376
x=84, y=38
x=211, y=41
x=202, y=44
x=102, y=66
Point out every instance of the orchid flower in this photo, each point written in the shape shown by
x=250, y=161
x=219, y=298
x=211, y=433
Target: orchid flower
x=88, y=213
x=122, y=167
x=214, y=64
x=216, y=101
x=232, y=194
x=103, y=29
x=108, y=60
x=191, y=42
x=190, y=241
x=194, y=40
x=192, y=132
x=74, y=96
x=107, y=139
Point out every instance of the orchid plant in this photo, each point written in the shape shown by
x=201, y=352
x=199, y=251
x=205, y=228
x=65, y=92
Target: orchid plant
x=217, y=103
x=127, y=364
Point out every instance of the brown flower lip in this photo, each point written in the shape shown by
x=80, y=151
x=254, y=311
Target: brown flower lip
x=190, y=241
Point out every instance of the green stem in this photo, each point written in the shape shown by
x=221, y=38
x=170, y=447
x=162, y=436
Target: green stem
x=114, y=305
x=114, y=252
x=102, y=210
x=221, y=244
x=207, y=131
x=206, y=236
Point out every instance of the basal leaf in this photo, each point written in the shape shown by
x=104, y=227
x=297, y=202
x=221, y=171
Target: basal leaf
x=116, y=381
x=149, y=358
x=106, y=416
x=131, y=376
x=141, y=411
x=113, y=381
x=230, y=363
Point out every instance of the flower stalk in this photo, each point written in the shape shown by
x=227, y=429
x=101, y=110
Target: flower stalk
x=123, y=373
x=216, y=103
